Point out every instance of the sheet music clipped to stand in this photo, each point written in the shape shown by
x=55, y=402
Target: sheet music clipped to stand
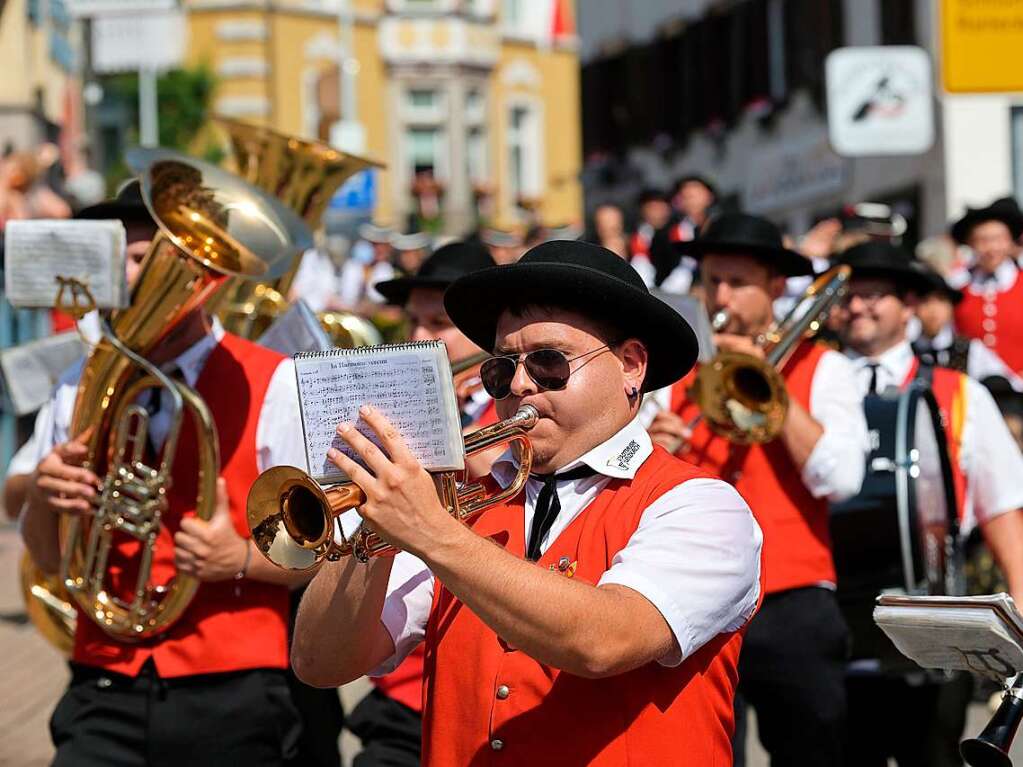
x=980, y=634
x=411, y=384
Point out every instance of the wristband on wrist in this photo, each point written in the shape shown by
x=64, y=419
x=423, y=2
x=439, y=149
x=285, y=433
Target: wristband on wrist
x=245, y=567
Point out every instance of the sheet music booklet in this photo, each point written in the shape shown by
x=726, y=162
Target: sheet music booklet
x=981, y=634
x=37, y=251
x=411, y=384
x=297, y=330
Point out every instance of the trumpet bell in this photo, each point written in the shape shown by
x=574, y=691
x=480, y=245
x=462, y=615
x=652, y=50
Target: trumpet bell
x=290, y=516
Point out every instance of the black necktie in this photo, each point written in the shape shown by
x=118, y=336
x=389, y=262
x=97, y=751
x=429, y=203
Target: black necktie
x=872, y=387
x=548, y=506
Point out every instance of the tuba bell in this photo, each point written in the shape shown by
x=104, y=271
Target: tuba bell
x=303, y=175
x=211, y=226
x=743, y=398
x=292, y=517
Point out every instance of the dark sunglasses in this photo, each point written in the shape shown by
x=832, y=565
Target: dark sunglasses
x=548, y=368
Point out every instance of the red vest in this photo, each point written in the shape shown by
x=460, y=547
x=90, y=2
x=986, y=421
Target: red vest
x=797, y=541
x=230, y=625
x=996, y=318
x=949, y=387
x=652, y=715
x=405, y=683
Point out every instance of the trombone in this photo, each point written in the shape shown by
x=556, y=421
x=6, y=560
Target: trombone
x=292, y=517
x=743, y=398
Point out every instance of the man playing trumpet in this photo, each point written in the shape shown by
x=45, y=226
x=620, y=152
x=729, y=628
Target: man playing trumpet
x=596, y=620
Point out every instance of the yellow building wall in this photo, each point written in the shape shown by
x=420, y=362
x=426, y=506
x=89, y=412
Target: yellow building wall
x=26, y=64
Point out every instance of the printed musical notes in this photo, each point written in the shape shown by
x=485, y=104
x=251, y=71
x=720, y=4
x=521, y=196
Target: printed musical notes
x=410, y=384
x=39, y=250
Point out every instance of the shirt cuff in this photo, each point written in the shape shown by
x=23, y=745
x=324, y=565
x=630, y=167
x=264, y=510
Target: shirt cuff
x=832, y=471
x=681, y=631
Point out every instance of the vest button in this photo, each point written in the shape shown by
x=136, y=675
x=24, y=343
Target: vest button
x=989, y=340
x=503, y=692
x=104, y=682
x=990, y=309
x=497, y=744
x=989, y=325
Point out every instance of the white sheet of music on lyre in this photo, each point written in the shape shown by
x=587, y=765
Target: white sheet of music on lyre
x=411, y=384
x=37, y=251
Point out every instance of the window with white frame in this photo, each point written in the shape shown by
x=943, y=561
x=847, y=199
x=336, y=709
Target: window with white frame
x=523, y=151
x=424, y=148
x=514, y=16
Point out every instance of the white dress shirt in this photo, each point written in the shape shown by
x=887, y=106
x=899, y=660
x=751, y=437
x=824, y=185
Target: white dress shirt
x=979, y=282
x=988, y=455
x=834, y=469
x=316, y=279
x=357, y=281
x=695, y=554
x=278, y=442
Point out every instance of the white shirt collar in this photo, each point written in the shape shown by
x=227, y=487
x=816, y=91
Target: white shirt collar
x=895, y=363
x=619, y=456
x=1004, y=277
x=191, y=361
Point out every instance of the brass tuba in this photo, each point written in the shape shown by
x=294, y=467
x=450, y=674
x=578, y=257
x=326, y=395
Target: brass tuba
x=292, y=517
x=212, y=226
x=743, y=398
x=304, y=175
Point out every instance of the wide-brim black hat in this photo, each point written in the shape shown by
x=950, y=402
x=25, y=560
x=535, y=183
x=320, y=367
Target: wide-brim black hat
x=126, y=207
x=582, y=277
x=743, y=234
x=876, y=258
x=940, y=285
x=1004, y=210
x=444, y=266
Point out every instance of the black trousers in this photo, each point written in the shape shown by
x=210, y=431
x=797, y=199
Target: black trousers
x=391, y=732
x=919, y=725
x=212, y=720
x=791, y=671
x=320, y=711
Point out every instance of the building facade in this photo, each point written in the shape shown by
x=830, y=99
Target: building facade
x=735, y=91
x=38, y=91
x=475, y=100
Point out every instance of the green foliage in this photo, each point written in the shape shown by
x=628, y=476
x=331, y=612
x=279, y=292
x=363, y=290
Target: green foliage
x=183, y=100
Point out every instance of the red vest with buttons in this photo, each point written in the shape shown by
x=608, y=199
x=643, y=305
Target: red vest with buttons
x=797, y=541
x=229, y=625
x=949, y=388
x=487, y=703
x=996, y=318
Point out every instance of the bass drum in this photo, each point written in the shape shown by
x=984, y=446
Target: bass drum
x=901, y=533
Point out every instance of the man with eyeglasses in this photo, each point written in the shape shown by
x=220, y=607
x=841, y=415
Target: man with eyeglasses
x=793, y=660
x=595, y=619
x=885, y=286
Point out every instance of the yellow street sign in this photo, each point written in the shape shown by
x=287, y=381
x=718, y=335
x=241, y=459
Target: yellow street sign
x=981, y=42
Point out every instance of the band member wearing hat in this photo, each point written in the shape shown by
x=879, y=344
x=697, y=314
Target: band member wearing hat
x=936, y=341
x=992, y=307
x=368, y=264
x=388, y=721
x=693, y=199
x=212, y=689
x=505, y=241
x=595, y=620
x=985, y=462
x=410, y=250
x=791, y=669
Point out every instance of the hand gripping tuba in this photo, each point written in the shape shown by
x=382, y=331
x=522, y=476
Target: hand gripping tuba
x=292, y=517
x=743, y=398
x=212, y=225
x=304, y=175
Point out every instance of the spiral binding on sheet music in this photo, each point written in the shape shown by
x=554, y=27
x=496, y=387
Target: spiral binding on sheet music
x=362, y=350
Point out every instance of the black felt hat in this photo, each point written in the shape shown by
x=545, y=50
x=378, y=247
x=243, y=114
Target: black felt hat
x=939, y=284
x=1005, y=210
x=127, y=207
x=582, y=277
x=444, y=266
x=876, y=258
x=743, y=234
